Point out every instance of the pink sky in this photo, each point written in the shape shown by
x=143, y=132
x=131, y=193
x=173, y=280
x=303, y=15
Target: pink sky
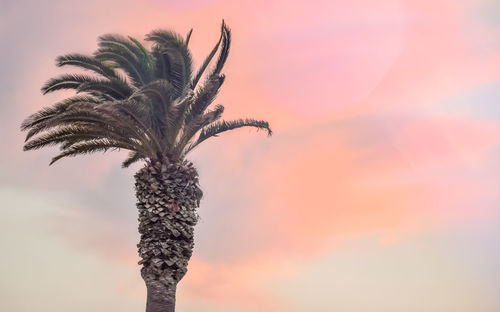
x=385, y=154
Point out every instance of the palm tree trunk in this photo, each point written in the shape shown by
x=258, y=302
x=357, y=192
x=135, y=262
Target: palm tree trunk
x=167, y=198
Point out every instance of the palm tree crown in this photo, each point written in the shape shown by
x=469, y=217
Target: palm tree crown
x=148, y=101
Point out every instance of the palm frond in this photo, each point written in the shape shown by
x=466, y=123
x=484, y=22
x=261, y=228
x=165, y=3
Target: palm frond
x=71, y=134
x=67, y=81
x=159, y=91
x=189, y=36
x=222, y=126
x=174, y=60
x=97, y=145
x=132, y=158
x=152, y=104
x=87, y=62
x=98, y=87
x=82, y=114
x=146, y=55
x=224, y=52
x=177, y=117
x=196, y=125
x=205, y=95
x=202, y=68
x=56, y=109
x=133, y=114
x=170, y=66
x=115, y=89
x=127, y=55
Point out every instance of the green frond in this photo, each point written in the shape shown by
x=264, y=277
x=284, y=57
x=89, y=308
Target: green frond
x=196, y=125
x=147, y=58
x=170, y=66
x=97, y=145
x=222, y=126
x=132, y=113
x=149, y=110
x=212, y=115
x=86, y=62
x=54, y=137
x=165, y=108
x=174, y=61
x=84, y=115
x=98, y=87
x=202, y=68
x=201, y=121
x=56, y=109
x=177, y=117
x=129, y=55
x=224, y=52
x=123, y=62
x=189, y=36
x=165, y=38
x=115, y=89
x=132, y=158
x=77, y=133
x=67, y=81
x=119, y=42
x=162, y=65
x=160, y=91
x=205, y=95
x=146, y=55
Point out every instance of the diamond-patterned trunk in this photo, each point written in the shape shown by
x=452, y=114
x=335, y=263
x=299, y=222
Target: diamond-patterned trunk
x=167, y=198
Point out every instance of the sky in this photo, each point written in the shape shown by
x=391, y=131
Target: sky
x=379, y=190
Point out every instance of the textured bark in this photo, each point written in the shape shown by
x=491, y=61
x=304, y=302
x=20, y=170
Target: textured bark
x=167, y=198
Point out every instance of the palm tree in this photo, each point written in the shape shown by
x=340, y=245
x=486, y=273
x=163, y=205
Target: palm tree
x=150, y=102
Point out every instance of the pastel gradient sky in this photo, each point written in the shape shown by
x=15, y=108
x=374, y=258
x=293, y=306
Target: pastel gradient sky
x=379, y=192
